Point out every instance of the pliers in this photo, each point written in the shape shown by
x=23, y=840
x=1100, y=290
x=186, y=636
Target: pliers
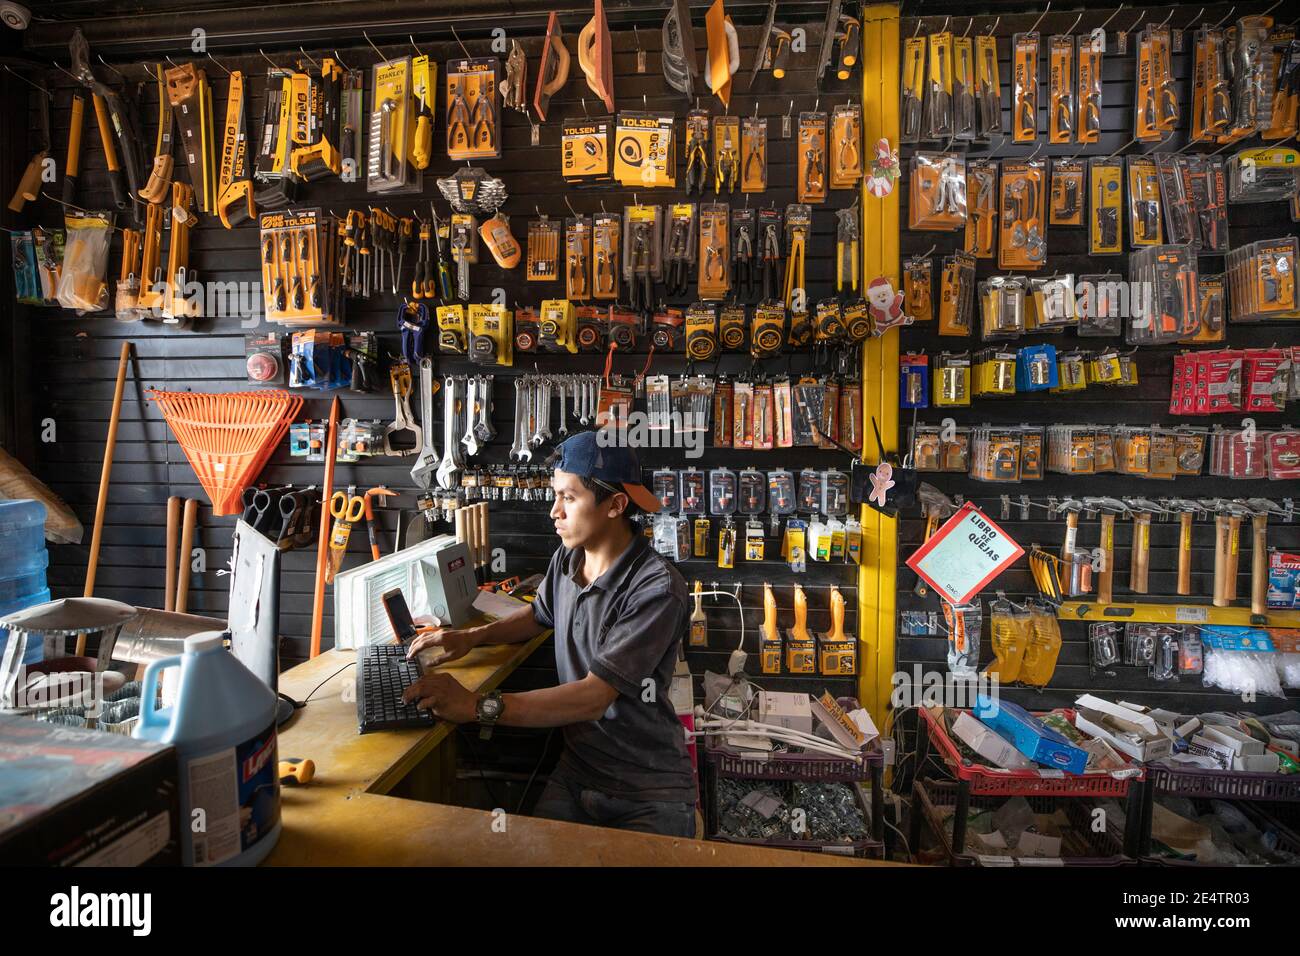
x=641, y=292
x=458, y=116
x=481, y=121
x=697, y=163
x=770, y=262
x=728, y=166
x=742, y=264
x=677, y=278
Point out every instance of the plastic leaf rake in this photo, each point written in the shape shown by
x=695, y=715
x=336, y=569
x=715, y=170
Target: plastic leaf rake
x=228, y=437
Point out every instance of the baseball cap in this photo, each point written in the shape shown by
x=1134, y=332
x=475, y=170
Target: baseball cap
x=583, y=455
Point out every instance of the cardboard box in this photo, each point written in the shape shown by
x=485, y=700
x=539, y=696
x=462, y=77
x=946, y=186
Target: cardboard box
x=1240, y=744
x=1128, y=729
x=792, y=711
x=85, y=797
x=997, y=750
x=1030, y=736
x=1258, y=763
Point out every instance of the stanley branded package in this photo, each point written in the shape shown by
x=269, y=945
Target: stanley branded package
x=643, y=151
x=491, y=335
x=1105, y=207
x=585, y=150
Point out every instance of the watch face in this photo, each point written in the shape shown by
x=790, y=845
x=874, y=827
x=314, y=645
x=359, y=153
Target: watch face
x=490, y=707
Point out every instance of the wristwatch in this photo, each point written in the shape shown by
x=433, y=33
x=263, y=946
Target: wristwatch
x=488, y=711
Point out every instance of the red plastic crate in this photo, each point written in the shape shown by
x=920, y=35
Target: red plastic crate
x=994, y=781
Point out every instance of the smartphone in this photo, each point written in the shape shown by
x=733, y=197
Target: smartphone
x=399, y=615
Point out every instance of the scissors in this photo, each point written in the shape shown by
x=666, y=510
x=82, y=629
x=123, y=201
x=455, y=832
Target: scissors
x=346, y=507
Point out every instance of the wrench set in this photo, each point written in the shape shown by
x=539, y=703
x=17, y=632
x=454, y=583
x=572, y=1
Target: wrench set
x=535, y=395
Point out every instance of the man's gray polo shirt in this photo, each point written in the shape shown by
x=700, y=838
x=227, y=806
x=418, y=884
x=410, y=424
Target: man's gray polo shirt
x=626, y=627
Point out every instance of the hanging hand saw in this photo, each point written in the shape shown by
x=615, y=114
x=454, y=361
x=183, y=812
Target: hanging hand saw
x=830, y=31
x=160, y=175
x=235, y=185
x=679, y=62
x=188, y=94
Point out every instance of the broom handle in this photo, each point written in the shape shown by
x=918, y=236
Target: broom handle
x=187, y=544
x=173, y=528
x=322, y=545
x=109, y=444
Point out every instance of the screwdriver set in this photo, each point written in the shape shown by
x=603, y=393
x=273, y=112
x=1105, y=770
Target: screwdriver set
x=300, y=286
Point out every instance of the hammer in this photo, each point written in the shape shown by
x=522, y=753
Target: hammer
x=1109, y=508
x=1071, y=507
x=1140, y=552
x=1237, y=512
x=936, y=506
x=1260, y=509
x=1186, y=509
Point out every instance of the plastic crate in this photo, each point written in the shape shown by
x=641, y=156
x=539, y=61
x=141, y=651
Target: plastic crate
x=865, y=848
x=1098, y=849
x=1230, y=784
x=1275, y=818
x=995, y=781
x=804, y=767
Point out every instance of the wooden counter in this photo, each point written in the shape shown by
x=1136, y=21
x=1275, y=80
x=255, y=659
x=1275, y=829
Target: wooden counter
x=344, y=817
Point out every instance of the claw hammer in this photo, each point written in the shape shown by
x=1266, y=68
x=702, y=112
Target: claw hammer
x=1186, y=509
x=1260, y=509
x=1140, y=551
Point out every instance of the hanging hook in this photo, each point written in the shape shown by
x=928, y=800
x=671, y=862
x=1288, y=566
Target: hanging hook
x=67, y=72
x=989, y=31
x=1271, y=9
x=266, y=58
x=339, y=60
x=571, y=209
x=1075, y=23
x=969, y=23
x=1171, y=16
x=1138, y=22
x=919, y=24
x=1231, y=11
x=100, y=57
x=946, y=21
x=1040, y=16
x=1113, y=15
x=458, y=40
x=169, y=60
x=382, y=58
x=928, y=252
x=308, y=56
x=1194, y=19
x=29, y=82
x=215, y=60
x=411, y=37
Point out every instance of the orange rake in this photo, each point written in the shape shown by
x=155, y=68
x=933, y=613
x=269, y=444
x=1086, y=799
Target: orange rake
x=227, y=437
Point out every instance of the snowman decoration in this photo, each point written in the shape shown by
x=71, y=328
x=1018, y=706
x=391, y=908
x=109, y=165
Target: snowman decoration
x=885, y=306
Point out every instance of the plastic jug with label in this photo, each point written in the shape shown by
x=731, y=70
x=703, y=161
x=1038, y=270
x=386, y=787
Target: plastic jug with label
x=223, y=728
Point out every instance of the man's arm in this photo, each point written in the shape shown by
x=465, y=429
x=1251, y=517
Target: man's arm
x=570, y=703
x=515, y=629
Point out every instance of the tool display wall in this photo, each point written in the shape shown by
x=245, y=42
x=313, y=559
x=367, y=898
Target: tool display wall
x=1144, y=404
x=73, y=368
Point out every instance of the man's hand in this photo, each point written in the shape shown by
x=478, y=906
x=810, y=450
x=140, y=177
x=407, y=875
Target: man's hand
x=444, y=696
x=454, y=643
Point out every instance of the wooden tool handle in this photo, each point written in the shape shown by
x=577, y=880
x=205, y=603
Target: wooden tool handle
x=1259, y=566
x=1185, y=553
x=1233, y=558
x=1140, y=554
x=1105, y=578
x=1071, y=535
x=187, y=545
x=73, y=164
x=173, y=529
x=105, y=474
x=1220, y=560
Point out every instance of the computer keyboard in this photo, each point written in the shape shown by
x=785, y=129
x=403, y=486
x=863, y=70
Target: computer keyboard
x=383, y=672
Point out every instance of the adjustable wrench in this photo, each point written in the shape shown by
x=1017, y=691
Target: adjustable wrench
x=483, y=410
x=470, y=439
x=427, y=464
x=449, y=469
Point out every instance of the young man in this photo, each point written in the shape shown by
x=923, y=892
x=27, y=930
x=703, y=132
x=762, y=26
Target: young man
x=620, y=613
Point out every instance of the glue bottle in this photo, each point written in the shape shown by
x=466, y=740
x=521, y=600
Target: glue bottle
x=223, y=728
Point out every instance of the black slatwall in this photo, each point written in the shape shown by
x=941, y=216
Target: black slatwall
x=75, y=357
x=1147, y=403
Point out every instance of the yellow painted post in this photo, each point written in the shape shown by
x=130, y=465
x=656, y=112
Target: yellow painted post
x=880, y=251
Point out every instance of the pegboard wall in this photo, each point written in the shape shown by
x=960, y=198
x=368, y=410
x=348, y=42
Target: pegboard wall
x=1147, y=403
x=73, y=359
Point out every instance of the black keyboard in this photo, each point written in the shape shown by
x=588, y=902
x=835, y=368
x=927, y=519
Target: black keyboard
x=383, y=672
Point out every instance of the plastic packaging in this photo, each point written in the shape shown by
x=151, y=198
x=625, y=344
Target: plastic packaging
x=964, y=623
x=85, y=261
